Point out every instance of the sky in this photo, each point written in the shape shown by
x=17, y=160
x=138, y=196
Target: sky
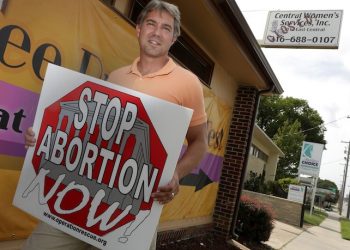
x=320, y=76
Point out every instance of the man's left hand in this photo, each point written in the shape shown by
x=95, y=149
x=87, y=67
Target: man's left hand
x=166, y=193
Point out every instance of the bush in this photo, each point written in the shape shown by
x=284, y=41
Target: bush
x=254, y=221
x=280, y=187
x=275, y=189
x=255, y=183
x=285, y=182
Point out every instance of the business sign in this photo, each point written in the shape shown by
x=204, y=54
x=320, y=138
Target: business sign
x=310, y=158
x=303, y=29
x=101, y=151
x=296, y=193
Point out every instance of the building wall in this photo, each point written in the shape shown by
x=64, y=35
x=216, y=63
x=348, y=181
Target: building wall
x=256, y=164
x=286, y=211
x=271, y=167
x=223, y=85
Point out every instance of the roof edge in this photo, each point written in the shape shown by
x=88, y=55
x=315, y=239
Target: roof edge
x=238, y=25
x=277, y=149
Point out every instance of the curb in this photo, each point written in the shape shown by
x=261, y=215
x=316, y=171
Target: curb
x=237, y=245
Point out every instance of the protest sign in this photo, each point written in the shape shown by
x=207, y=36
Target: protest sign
x=101, y=151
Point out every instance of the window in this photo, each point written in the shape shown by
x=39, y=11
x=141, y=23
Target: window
x=184, y=50
x=254, y=150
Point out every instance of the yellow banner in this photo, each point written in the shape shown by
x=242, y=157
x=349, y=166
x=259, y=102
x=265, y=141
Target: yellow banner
x=219, y=117
x=83, y=35
x=197, y=199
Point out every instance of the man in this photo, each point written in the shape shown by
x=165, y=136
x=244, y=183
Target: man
x=153, y=73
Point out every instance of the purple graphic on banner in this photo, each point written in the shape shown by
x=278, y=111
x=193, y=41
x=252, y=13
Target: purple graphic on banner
x=211, y=165
x=17, y=111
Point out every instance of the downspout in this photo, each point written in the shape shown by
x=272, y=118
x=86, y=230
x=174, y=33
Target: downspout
x=246, y=157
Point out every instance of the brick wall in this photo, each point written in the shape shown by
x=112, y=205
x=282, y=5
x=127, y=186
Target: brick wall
x=235, y=158
x=285, y=210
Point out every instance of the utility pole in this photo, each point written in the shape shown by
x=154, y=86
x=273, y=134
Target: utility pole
x=344, y=178
x=314, y=183
x=340, y=203
x=348, y=212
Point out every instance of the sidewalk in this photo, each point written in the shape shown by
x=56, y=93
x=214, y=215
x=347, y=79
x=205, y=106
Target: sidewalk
x=326, y=236
x=282, y=234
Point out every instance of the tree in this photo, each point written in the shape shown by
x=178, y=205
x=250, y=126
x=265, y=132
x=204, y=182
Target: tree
x=289, y=121
x=275, y=110
x=330, y=185
x=289, y=139
x=327, y=184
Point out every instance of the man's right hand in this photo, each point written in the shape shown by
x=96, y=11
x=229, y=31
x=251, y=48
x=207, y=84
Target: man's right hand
x=29, y=138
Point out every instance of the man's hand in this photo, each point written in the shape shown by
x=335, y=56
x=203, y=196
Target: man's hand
x=29, y=138
x=166, y=193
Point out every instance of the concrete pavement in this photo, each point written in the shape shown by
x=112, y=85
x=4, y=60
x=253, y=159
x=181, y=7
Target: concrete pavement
x=326, y=236
x=282, y=234
x=285, y=237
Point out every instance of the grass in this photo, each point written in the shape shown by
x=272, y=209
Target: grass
x=316, y=218
x=345, y=228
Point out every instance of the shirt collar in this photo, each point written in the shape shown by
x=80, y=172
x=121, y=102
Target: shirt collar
x=167, y=69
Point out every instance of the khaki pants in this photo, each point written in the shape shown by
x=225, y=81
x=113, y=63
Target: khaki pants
x=46, y=237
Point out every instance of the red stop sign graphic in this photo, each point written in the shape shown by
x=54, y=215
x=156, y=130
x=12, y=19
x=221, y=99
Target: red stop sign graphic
x=97, y=140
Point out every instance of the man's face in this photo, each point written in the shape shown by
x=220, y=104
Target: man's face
x=156, y=33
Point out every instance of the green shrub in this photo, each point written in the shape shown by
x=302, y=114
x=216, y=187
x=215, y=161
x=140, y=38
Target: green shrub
x=275, y=189
x=285, y=182
x=280, y=187
x=255, y=183
x=254, y=221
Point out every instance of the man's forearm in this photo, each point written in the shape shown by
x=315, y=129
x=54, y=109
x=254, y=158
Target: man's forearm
x=196, y=149
x=191, y=158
